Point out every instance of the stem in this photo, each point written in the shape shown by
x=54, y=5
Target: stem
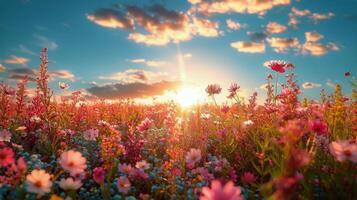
x=276, y=87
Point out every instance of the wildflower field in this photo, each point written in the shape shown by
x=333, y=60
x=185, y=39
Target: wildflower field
x=287, y=148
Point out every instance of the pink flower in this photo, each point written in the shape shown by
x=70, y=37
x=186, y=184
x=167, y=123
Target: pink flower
x=98, y=175
x=143, y=165
x=193, y=156
x=319, y=127
x=248, y=177
x=278, y=65
x=124, y=184
x=91, y=134
x=125, y=168
x=39, y=182
x=5, y=136
x=6, y=157
x=219, y=192
x=213, y=89
x=234, y=88
x=144, y=125
x=343, y=150
x=73, y=162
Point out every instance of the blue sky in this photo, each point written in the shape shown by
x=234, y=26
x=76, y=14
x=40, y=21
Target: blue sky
x=99, y=44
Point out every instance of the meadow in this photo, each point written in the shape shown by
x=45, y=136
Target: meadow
x=289, y=147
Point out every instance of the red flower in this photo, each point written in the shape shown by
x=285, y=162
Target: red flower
x=278, y=65
x=98, y=175
x=6, y=157
x=319, y=127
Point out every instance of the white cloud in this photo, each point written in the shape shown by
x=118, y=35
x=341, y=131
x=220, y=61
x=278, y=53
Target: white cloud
x=310, y=85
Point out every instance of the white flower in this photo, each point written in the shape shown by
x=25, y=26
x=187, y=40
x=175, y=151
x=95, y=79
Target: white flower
x=193, y=156
x=5, y=136
x=73, y=162
x=70, y=184
x=91, y=134
x=142, y=165
x=248, y=123
x=39, y=182
x=35, y=119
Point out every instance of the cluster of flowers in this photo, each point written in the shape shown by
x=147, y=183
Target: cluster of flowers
x=284, y=149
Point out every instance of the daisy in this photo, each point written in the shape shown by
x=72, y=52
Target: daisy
x=125, y=168
x=5, y=136
x=73, y=162
x=193, y=156
x=344, y=150
x=142, y=165
x=39, y=182
x=70, y=184
x=124, y=184
x=219, y=192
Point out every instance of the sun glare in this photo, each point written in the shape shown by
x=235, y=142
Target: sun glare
x=188, y=96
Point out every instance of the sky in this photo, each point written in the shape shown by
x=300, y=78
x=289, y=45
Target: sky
x=143, y=48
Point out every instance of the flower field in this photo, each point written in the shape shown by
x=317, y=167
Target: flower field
x=288, y=147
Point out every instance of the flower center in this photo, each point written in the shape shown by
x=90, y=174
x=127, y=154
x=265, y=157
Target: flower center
x=347, y=153
x=38, y=184
x=71, y=164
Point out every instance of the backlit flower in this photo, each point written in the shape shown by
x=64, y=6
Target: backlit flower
x=213, y=89
x=70, y=184
x=124, y=184
x=277, y=65
x=193, y=156
x=220, y=192
x=343, y=150
x=5, y=136
x=234, y=88
x=73, y=162
x=39, y=182
x=144, y=125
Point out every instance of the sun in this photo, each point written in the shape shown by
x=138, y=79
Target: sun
x=188, y=96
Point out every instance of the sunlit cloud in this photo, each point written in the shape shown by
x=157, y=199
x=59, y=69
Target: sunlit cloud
x=133, y=90
x=317, y=49
x=135, y=76
x=310, y=85
x=150, y=63
x=257, y=36
x=205, y=27
x=249, y=47
x=45, y=42
x=273, y=27
x=16, y=60
x=331, y=84
x=111, y=18
x=238, y=6
x=31, y=74
x=313, y=36
x=234, y=25
x=2, y=68
x=281, y=45
x=300, y=13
